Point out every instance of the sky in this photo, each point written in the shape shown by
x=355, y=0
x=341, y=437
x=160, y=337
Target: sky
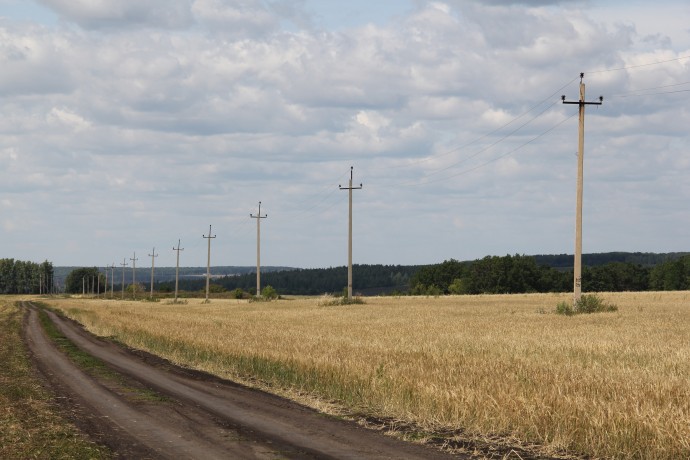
x=129, y=125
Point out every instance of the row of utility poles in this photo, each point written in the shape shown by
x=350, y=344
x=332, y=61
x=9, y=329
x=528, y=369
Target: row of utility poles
x=177, y=249
x=577, y=270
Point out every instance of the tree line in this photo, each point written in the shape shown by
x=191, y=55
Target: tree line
x=21, y=277
x=522, y=274
x=369, y=280
x=610, y=272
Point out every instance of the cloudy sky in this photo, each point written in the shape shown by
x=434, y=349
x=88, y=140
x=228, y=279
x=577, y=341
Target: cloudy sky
x=129, y=124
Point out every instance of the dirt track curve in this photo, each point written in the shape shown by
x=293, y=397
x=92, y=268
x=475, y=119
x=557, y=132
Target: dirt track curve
x=202, y=417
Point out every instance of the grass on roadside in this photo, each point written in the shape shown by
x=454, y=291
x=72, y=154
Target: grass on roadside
x=30, y=423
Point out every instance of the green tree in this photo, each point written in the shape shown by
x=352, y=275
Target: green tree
x=8, y=277
x=78, y=278
x=672, y=275
x=458, y=286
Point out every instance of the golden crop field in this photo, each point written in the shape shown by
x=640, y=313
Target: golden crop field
x=613, y=385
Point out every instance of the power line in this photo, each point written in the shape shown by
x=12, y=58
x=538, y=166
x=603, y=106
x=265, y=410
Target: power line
x=638, y=65
x=474, y=141
x=466, y=171
x=525, y=113
x=484, y=149
x=654, y=94
x=648, y=89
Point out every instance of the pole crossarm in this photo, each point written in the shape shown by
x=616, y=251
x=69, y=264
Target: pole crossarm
x=581, y=102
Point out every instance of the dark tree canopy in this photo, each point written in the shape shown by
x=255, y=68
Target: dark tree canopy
x=19, y=277
x=86, y=279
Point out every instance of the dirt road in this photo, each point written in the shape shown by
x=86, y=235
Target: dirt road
x=201, y=416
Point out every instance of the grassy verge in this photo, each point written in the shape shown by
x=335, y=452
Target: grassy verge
x=30, y=424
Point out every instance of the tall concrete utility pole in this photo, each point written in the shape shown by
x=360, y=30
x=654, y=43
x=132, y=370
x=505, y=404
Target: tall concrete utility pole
x=258, y=218
x=577, y=271
x=208, y=263
x=134, y=276
x=124, y=264
x=350, y=188
x=177, y=268
x=153, y=258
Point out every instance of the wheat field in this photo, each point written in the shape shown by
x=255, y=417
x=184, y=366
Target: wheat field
x=609, y=385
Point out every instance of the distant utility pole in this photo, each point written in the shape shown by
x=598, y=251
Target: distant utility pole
x=112, y=280
x=258, y=218
x=577, y=272
x=208, y=263
x=153, y=258
x=177, y=268
x=134, y=276
x=124, y=264
x=98, y=291
x=83, y=286
x=350, y=188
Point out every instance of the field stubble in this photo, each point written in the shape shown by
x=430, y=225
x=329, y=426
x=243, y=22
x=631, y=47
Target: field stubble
x=611, y=385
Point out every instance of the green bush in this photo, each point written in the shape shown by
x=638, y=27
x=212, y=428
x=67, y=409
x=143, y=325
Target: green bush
x=332, y=301
x=592, y=303
x=589, y=303
x=565, y=308
x=434, y=290
x=269, y=293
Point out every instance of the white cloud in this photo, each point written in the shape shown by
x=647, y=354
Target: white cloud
x=98, y=14
x=237, y=19
x=149, y=119
x=30, y=62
